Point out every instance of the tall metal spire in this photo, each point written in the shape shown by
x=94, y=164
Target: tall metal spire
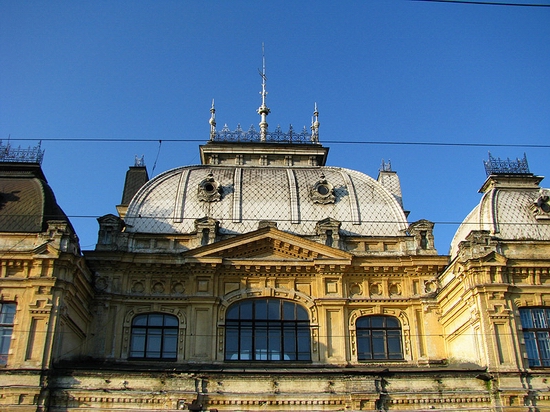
x=212, y=121
x=315, y=125
x=263, y=110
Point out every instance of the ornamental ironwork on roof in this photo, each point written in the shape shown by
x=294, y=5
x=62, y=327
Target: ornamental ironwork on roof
x=252, y=135
x=19, y=155
x=498, y=166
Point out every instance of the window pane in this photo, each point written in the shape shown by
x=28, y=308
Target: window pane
x=303, y=340
x=246, y=343
x=153, y=344
x=363, y=322
x=364, y=345
x=140, y=320
x=260, y=341
x=170, y=321
x=301, y=313
x=233, y=312
x=7, y=313
x=274, y=341
x=288, y=310
x=539, y=318
x=137, y=343
x=260, y=310
x=155, y=319
x=526, y=318
x=231, y=342
x=379, y=344
x=170, y=344
x=246, y=310
x=394, y=345
x=544, y=347
x=531, y=346
x=274, y=309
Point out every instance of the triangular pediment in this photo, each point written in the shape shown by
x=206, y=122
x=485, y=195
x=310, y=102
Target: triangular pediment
x=494, y=257
x=269, y=244
x=45, y=249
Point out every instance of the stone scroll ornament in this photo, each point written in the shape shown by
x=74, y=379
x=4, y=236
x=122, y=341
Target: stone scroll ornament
x=209, y=189
x=322, y=192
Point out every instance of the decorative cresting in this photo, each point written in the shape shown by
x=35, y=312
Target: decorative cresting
x=252, y=135
x=29, y=155
x=210, y=190
x=322, y=191
x=541, y=207
x=497, y=166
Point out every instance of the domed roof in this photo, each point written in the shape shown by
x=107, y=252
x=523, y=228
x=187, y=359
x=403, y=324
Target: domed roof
x=513, y=207
x=240, y=197
x=27, y=201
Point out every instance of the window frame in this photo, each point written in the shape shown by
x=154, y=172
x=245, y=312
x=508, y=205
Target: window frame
x=143, y=336
x=535, y=325
x=7, y=321
x=375, y=339
x=267, y=330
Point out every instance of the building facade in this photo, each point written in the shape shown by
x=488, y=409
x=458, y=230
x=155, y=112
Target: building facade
x=263, y=279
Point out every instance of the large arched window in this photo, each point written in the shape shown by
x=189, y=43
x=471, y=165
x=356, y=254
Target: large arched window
x=154, y=336
x=267, y=330
x=378, y=338
x=535, y=323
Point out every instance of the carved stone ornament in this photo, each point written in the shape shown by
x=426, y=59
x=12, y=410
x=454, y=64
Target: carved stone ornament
x=541, y=207
x=209, y=189
x=322, y=192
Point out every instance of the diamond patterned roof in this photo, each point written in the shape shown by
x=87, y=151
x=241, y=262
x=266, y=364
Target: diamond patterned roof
x=170, y=203
x=506, y=212
x=27, y=201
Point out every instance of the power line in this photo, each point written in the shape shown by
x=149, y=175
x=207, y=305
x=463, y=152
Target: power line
x=244, y=220
x=362, y=142
x=486, y=3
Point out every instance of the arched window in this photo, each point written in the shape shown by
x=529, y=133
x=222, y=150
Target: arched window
x=7, y=314
x=154, y=336
x=378, y=337
x=267, y=330
x=535, y=323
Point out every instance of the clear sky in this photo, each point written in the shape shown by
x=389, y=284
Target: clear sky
x=386, y=74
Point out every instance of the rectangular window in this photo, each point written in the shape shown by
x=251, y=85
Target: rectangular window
x=535, y=323
x=378, y=338
x=7, y=315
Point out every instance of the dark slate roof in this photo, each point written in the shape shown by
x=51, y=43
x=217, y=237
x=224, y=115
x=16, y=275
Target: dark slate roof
x=136, y=177
x=27, y=201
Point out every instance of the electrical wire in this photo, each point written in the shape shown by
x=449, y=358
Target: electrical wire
x=485, y=3
x=379, y=222
x=363, y=142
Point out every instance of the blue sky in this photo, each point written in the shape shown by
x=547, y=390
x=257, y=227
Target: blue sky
x=397, y=72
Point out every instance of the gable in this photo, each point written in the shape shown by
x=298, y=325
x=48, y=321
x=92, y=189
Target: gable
x=269, y=244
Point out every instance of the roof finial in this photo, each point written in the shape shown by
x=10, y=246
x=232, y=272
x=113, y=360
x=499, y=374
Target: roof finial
x=212, y=121
x=315, y=125
x=263, y=110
